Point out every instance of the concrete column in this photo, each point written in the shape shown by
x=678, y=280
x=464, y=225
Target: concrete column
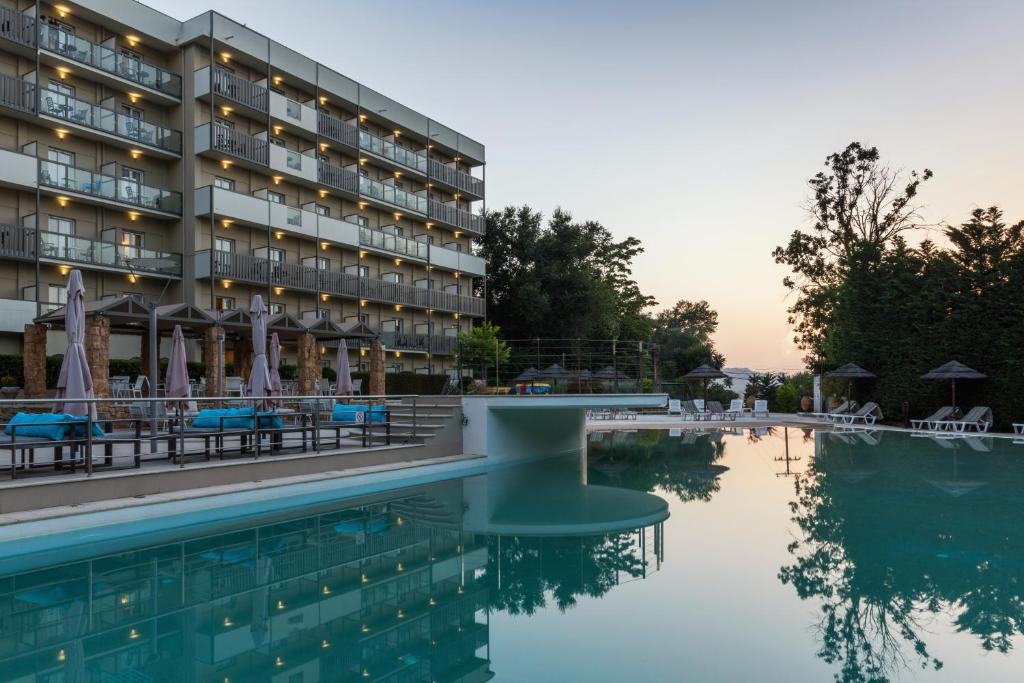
x=309, y=364
x=34, y=360
x=213, y=361
x=377, y=368
x=97, y=354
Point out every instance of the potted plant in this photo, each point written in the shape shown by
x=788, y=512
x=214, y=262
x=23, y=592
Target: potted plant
x=806, y=403
x=9, y=387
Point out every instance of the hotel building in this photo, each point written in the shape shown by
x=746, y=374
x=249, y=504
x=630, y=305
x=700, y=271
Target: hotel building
x=202, y=162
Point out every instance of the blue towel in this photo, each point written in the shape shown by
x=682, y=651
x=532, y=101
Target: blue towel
x=358, y=413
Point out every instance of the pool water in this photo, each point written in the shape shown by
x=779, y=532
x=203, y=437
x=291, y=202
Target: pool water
x=767, y=555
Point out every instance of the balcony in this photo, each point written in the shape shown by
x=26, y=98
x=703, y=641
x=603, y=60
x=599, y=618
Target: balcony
x=18, y=27
x=69, y=46
x=337, y=177
x=335, y=129
x=259, y=271
x=108, y=188
x=421, y=343
x=457, y=218
x=393, y=152
x=238, y=145
x=20, y=242
x=95, y=117
x=294, y=163
x=17, y=94
x=376, y=239
x=460, y=181
x=299, y=118
x=239, y=90
x=389, y=194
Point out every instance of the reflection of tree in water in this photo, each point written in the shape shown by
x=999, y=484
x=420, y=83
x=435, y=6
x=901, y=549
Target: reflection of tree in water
x=683, y=465
x=521, y=570
x=892, y=536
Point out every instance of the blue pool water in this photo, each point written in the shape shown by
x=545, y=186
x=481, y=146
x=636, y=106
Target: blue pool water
x=777, y=555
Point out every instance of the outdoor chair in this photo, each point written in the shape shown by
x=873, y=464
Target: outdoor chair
x=735, y=408
x=715, y=411
x=841, y=411
x=675, y=407
x=867, y=414
x=936, y=420
x=233, y=386
x=357, y=387
x=690, y=411
x=760, y=408
x=141, y=382
x=978, y=418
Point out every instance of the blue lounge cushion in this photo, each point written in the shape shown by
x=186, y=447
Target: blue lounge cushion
x=235, y=418
x=79, y=429
x=52, y=426
x=350, y=412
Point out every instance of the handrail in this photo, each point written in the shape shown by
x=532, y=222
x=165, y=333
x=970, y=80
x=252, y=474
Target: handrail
x=240, y=145
x=64, y=177
x=336, y=129
x=240, y=90
x=378, y=239
x=17, y=26
x=457, y=217
x=392, y=195
x=106, y=120
x=393, y=151
x=456, y=178
x=63, y=247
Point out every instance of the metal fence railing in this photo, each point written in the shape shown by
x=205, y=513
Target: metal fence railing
x=131, y=432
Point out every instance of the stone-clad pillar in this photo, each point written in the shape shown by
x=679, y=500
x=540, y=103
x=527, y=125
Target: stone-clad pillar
x=213, y=361
x=309, y=364
x=243, y=359
x=377, y=368
x=97, y=354
x=34, y=360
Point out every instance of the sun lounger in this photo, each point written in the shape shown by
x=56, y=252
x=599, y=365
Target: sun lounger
x=842, y=410
x=978, y=418
x=675, y=407
x=690, y=410
x=717, y=412
x=867, y=414
x=735, y=408
x=760, y=408
x=935, y=420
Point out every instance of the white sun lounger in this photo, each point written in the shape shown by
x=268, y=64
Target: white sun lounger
x=760, y=408
x=867, y=414
x=978, y=418
x=935, y=420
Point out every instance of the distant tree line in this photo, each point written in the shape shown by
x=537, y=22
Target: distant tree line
x=863, y=294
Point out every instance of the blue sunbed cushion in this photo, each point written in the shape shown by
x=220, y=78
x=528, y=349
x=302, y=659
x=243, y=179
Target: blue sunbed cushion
x=234, y=418
x=348, y=412
x=52, y=426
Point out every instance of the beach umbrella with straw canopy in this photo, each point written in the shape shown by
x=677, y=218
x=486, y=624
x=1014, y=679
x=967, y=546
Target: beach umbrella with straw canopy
x=259, y=376
x=75, y=380
x=528, y=375
x=555, y=371
x=344, y=383
x=851, y=371
x=706, y=373
x=953, y=370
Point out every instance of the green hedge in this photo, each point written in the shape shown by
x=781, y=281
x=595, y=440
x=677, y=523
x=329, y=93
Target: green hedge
x=406, y=383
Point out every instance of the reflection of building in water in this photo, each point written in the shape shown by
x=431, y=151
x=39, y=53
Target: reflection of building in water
x=395, y=587
x=384, y=591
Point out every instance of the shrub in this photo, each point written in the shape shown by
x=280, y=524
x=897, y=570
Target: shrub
x=288, y=371
x=786, y=399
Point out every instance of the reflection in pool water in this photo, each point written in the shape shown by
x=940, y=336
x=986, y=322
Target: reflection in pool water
x=881, y=557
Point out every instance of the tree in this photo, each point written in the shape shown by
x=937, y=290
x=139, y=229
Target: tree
x=481, y=349
x=683, y=334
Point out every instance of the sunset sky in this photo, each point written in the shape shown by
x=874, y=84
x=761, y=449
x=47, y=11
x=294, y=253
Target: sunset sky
x=691, y=125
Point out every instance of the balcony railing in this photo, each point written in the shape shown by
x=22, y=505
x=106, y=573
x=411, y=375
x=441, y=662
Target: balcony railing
x=390, y=150
x=111, y=61
x=124, y=190
x=17, y=241
x=261, y=271
x=240, y=145
x=392, y=195
x=337, y=130
x=17, y=94
x=456, y=178
x=425, y=343
x=61, y=247
x=337, y=177
x=17, y=27
x=240, y=90
x=457, y=217
x=109, y=121
x=377, y=239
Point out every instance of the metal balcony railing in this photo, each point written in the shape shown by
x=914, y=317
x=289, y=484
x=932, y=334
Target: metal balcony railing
x=109, y=121
x=455, y=178
x=17, y=27
x=396, y=244
x=425, y=343
x=337, y=177
x=60, y=247
x=335, y=129
x=390, y=150
x=17, y=94
x=111, y=61
x=241, y=90
x=261, y=271
x=63, y=177
x=457, y=218
x=17, y=241
x=240, y=145
x=375, y=189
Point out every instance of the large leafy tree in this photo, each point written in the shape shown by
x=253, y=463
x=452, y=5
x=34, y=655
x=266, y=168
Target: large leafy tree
x=683, y=334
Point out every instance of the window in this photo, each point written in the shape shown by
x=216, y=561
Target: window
x=424, y=328
x=363, y=221
x=230, y=125
x=393, y=230
x=275, y=197
x=276, y=255
x=425, y=239
x=322, y=210
x=131, y=62
x=398, y=185
x=224, y=183
x=363, y=172
x=323, y=314
x=131, y=112
x=393, y=325
x=224, y=244
x=361, y=271
x=276, y=309
x=224, y=303
x=392, y=277
x=63, y=90
x=276, y=141
x=363, y=318
x=57, y=294
x=61, y=226
x=323, y=158
x=56, y=174
x=131, y=243
x=131, y=183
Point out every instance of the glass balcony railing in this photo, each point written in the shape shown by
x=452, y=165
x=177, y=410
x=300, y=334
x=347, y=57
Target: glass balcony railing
x=124, y=190
x=396, y=244
x=392, y=195
x=109, y=121
x=389, y=150
x=106, y=254
x=111, y=61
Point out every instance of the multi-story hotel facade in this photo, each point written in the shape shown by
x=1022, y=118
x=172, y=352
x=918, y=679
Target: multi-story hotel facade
x=202, y=162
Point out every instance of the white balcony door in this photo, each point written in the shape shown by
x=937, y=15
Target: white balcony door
x=59, y=169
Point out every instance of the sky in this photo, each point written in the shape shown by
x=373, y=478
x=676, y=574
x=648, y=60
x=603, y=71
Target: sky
x=692, y=125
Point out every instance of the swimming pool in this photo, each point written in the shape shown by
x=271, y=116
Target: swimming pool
x=768, y=555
